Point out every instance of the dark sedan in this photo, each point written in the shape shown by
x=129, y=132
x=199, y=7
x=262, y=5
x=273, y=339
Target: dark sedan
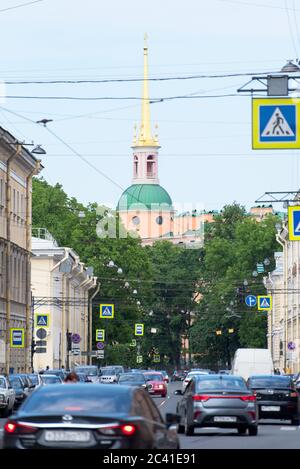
x=276, y=396
x=217, y=401
x=81, y=416
x=19, y=387
x=132, y=379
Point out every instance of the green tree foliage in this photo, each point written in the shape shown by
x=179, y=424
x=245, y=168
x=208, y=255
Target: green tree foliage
x=235, y=244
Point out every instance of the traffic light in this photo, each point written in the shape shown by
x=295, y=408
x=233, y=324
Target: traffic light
x=69, y=340
x=33, y=346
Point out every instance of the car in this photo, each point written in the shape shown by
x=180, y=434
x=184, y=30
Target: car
x=28, y=384
x=252, y=361
x=7, y=396
x=133, y=379
x=276, y=396
x=217, y=401
x=178, y=375
x=190, y=375
x=19, y=387
x=57, y=372
x=35, y=379
x=89, y=370
x=224, y=372
x=51, y=379
x=109, y=375
x=155, y=383
x=83, y=378
x=95, y=417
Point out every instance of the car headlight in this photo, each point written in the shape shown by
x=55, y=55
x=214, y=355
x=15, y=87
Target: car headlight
x=2, y=398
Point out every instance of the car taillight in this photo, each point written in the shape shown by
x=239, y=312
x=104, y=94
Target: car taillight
x=12, y=427
x=128, y=429
x=294, y=394
x=204, y=397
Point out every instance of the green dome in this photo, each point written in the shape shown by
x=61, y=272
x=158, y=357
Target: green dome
x=139, y=196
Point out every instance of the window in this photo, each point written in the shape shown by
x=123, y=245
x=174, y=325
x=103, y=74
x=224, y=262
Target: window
x=159, y=220
x=136, y=220
x=136, y=165
x=1, y=192
x=150, y=166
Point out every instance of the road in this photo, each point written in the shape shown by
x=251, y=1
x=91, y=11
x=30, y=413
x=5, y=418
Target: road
x=271, y=434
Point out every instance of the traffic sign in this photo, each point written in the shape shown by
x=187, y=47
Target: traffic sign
x=274, y=123
x=139, y=329
x=156, y=358
x=42, y=320
x=139, y=358
x=17, y=337
x=260, y=268
x=264, y=303
x=100, y=335
x=100, y=345
x=291, y=345
x=294, y=223
x=100, y=354
x=75, y=338
x=133, y=343
x=41, y=333
x=107, y=311
x=250, y=300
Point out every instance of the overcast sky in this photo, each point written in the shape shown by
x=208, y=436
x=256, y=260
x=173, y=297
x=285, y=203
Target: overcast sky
x=205, y=156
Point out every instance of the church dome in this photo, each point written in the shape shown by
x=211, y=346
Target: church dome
x=145, y=197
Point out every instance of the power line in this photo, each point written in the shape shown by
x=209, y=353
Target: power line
x=121, y=98
x=21, y=5
x=290, y=28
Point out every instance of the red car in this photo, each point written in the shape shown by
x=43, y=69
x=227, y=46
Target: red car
x=156, y=384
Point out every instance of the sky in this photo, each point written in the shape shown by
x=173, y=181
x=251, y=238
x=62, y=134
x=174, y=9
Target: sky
x=206, y=157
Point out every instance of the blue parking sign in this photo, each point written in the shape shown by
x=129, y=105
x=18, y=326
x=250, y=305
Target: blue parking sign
x=17, y=337
x=139, y=329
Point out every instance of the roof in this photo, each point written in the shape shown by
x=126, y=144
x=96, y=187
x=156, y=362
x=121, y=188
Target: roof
x=145, y=197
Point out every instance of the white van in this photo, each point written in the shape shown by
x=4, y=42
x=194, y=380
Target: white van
x=252, y=361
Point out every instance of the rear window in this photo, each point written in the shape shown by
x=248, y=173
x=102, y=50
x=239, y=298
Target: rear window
x=135, y=377
x=51, y=379
x=87, y=371
x=76, y=400
x=154, y=377
x=278, y=382
x=221, y=384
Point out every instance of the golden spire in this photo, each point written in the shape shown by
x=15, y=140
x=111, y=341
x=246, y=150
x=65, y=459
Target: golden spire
x=145, y=138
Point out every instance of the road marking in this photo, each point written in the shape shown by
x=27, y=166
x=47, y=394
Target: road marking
x=289, y=429
x=162, y=403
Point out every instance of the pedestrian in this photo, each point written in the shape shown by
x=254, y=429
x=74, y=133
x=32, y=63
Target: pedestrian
x=71, y=377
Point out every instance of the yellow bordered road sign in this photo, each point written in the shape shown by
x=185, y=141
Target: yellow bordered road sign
x=275, y=123
x=100, y=335
x=139, y=329
x=264, y=302
x=17, y=336
x=107, y=311
x=42, y=320
x=294, y=223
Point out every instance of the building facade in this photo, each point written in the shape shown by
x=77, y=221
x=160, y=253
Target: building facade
x=60, y=289
x=17, y=166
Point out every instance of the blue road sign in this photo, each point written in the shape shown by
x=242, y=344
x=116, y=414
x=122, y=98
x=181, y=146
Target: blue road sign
x=294, y=223
x=139, y=329
x=107, y=311
x=277, y=123
x=42, y=320
x=17, y=337
x=100, y=345
x=260, y=268
x=250, y=301
x=264, y=303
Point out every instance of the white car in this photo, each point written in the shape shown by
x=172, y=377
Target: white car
x=109, y=375
x=189, y=376
x=7, y=396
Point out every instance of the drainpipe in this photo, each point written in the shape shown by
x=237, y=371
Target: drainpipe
x=28, y=334
x=8, y=254
x=90, y=321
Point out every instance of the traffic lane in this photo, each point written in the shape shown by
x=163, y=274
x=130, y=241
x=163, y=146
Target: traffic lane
x=2, y=422
x=272, y=434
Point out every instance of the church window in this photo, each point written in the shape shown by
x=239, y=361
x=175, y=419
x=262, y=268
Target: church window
x=150, y=166
x=159, y=220
x=136, y=220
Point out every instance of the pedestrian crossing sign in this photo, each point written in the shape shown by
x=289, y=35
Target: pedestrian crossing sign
x=264, y=303
x=42, y=320
x=107, y=311
x=275, y=123
x=294, y=223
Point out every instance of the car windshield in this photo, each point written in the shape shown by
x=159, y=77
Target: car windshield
x=87, y=371
x=219, y=384
x=15, y=382
x=53, y=379
x=276, y=382
x=34, y=379
x=2, y=383
x=110, y=372
x=79, y=398
x=154, y=377
x=135, y=377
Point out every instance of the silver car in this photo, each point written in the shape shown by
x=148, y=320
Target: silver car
x=217, y=401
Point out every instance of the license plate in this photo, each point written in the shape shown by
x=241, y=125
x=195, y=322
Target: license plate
x=66, y=435
x=224, y=419
x=270, y=408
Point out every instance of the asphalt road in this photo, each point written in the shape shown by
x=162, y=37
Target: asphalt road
x=271, y=434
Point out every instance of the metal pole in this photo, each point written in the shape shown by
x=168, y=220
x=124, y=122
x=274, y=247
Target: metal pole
x=90, y=323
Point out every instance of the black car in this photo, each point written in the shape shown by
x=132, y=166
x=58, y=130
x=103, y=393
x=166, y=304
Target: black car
x=276, y=396
x=217, y=401
x=98, y=416
x=133, y=379
x=19, y=387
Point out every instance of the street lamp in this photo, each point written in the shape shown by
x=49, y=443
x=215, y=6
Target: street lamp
x=38, y=150
x=134, y=292
x=290, y=67
x=111, y=264
x=120, y=271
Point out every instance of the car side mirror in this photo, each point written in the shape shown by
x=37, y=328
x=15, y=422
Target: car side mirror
x=172, y=419
x=178, y=392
